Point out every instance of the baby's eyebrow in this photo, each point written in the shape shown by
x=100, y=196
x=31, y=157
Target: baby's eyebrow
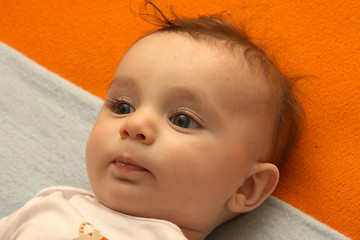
x=194, y=97
x=187, y=94
x=124, y=82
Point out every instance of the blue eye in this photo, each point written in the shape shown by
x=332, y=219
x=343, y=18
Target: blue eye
x=184, y=121
x=123, y=108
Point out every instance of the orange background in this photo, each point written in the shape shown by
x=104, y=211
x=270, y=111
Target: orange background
x=84, y=40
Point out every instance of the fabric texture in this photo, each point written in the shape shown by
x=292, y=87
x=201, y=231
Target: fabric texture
x=44, y=124
x=71, y=213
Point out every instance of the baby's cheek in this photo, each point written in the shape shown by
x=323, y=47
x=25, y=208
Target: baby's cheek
x=95, y=144
x=176, y=158
x=101, y=132
x=91, y=145
x=178, y=151
x=186, y=161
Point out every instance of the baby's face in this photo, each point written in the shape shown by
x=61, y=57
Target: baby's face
x=181, y=126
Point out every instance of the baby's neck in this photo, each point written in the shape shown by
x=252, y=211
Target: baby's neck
x=192, y=234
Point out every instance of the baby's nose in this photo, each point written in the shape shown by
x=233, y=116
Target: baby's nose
x=139, y=126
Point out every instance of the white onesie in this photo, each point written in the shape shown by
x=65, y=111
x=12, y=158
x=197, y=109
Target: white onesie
x=73, y=213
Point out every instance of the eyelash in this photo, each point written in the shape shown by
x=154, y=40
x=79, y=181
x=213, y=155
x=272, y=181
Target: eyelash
x=188, y=113
x=114, y=101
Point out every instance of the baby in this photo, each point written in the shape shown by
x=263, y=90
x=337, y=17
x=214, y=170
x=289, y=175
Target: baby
x=192, y=130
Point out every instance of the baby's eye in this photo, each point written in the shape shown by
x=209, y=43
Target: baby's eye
x=123, y=108
x=184, y=121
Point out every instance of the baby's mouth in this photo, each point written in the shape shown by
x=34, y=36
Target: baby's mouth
x=127, y=164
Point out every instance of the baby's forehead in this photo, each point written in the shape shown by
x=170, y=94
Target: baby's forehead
x=235, y=77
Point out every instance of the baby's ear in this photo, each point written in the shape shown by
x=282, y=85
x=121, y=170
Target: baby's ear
x=262, y=181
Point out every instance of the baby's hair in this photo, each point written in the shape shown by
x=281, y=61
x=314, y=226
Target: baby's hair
x=215, y=29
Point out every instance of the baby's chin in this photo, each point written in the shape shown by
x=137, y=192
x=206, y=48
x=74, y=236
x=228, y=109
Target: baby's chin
x=136, y=210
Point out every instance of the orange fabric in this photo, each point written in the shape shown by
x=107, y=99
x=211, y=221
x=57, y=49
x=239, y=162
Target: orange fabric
x=84, y=40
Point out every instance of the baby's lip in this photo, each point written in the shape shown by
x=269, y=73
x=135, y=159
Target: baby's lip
x=129, y=164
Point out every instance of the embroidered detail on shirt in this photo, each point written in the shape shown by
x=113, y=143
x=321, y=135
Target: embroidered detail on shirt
x=88, y=232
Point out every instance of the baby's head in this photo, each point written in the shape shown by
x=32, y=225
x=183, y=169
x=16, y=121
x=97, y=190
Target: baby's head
x=194, y=123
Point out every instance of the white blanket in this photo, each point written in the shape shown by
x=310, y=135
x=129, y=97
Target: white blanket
x=44, y=124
